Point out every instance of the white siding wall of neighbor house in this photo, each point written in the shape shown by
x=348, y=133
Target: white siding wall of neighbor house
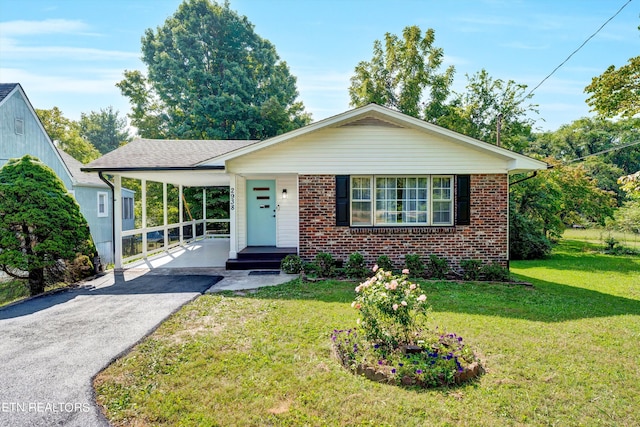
x=366, y=149
x=33, y=140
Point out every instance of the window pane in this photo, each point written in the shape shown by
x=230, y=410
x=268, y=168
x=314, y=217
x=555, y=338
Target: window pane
x=442, y=212
x=361, y=213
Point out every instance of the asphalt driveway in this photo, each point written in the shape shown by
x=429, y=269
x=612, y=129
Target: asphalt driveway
x=52, y=346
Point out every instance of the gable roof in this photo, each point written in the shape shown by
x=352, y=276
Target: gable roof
x=81, y=178
x=373, y=113
x=6, y=89
x=142, y=153
x=70, y=164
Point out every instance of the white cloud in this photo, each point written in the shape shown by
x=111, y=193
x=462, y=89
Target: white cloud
x=102, y=83
x=13, y=50
x=47, y=26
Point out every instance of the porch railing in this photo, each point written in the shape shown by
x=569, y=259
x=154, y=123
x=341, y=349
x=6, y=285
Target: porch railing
x=143, y=242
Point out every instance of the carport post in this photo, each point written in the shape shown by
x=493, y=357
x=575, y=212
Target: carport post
x=180, y=213
x=117, y=220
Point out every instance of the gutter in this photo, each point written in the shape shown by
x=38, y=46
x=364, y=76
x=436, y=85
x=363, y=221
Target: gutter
x=113, y=213
x=152, y=168
x=535, y=173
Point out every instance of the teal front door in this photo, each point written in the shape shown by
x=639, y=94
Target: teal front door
x=261, y=212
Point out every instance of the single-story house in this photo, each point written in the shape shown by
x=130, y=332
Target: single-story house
x=370, y=180
x=21, y=133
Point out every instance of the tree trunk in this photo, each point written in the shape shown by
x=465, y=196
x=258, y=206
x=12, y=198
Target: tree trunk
x=36, y=281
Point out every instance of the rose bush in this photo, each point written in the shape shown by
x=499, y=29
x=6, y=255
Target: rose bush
x=392, y=342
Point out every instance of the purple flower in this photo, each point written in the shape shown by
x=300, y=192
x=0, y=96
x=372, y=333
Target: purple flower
x=418, y=371
x=393, y=371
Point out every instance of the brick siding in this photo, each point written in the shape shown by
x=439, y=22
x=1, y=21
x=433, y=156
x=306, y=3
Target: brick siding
x=485, y=239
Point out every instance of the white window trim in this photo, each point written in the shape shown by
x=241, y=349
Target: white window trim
x=103, y=212
x=127, y=208
x=18, y=126
x=372, y=190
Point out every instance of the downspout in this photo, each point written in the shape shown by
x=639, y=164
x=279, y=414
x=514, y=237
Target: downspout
x=535, y=173
x=113, y=214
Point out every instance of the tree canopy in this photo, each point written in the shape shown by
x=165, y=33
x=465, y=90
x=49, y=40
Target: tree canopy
x=404, y=75
x=66, y=134
x=210, y=76
x=40, y=223
x=490, y=107
x=616, y=92
x=104, y=129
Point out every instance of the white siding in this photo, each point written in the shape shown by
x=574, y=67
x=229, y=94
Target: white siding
x=241, y=212
x=369, y=149
x=287, y=217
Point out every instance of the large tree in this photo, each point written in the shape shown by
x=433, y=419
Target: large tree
x=616, y=92
x=104, y=129
x=40, y=223
x=491, y=110
x=603, y=145
x=404, y=74
x=66, y=135
x=210, y=76
x=542, y=207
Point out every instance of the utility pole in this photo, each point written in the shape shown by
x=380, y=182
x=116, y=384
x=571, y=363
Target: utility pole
x=498, y=129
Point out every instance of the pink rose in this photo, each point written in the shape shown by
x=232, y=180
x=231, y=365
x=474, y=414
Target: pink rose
x=405, y=271
x=404, y=303
x=422, y=298
x=375, y=268
x=412, y=286
x=395, y=307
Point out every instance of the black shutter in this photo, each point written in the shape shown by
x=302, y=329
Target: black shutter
x=463, y=200
x=342, y=200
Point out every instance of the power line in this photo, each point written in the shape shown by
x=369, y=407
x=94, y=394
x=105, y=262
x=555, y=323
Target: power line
x=575, y=51
x=618, y=147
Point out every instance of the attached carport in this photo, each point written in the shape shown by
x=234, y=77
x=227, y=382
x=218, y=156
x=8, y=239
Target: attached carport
x=169, y=162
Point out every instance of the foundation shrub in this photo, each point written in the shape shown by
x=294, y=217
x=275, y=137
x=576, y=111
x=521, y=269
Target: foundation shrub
x=414, y=264
x=385, y=263
x=437, y=267
x=495, y=273
x=471, y=269
x=292, y=264
x=355, y=267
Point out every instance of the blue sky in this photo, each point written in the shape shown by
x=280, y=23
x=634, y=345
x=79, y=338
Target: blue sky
x=70, y=53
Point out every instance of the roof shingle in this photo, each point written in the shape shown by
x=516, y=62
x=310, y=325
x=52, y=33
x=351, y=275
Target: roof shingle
x=165, y=153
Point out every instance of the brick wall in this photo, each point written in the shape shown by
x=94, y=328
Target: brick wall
x=484, y=239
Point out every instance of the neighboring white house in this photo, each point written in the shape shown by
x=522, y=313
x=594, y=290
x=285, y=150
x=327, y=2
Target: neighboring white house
x=370, y=180
x=21, y=133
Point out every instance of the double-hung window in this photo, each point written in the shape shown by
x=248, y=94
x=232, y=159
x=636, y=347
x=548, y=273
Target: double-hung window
x=401, y=200
x=103, y=207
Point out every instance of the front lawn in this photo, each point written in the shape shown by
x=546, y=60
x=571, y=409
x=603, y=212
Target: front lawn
x=564, y=352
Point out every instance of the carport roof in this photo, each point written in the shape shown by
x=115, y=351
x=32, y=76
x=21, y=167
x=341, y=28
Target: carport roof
x=147, y=154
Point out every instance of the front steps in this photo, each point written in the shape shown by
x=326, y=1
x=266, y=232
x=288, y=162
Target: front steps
x=259, y=258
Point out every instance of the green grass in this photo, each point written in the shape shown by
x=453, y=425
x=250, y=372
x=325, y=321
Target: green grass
x=598, y=236
x=563, y=352
x=12, y=290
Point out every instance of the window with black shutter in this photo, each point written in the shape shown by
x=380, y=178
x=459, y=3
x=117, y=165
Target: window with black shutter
x=342, y=200
x=463, y=200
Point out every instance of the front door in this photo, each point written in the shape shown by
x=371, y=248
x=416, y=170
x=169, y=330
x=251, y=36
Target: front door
x=261, y=212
